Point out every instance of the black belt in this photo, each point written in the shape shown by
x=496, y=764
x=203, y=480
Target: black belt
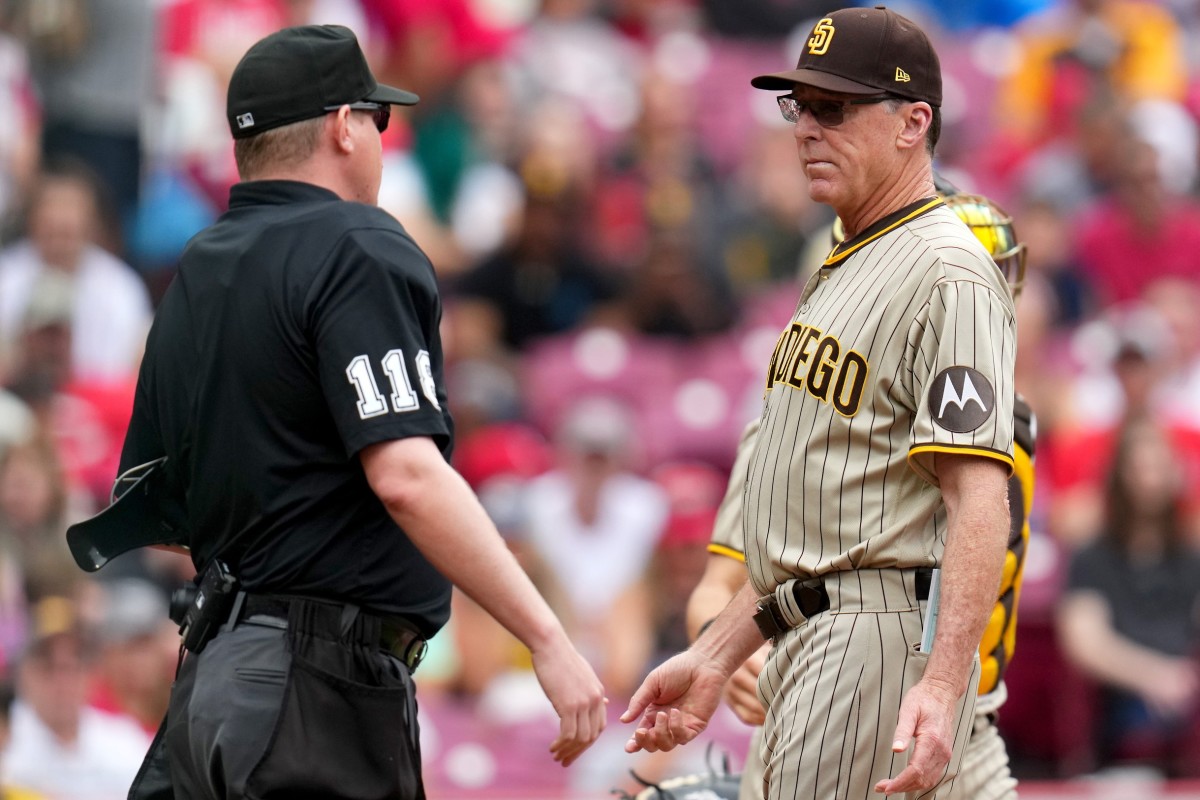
x=396, y=636
x=812, y=598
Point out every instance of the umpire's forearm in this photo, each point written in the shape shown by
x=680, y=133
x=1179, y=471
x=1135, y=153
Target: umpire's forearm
x=975, y=491
x=443, y=518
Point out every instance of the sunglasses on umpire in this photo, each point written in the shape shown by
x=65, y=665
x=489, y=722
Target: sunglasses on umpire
x=380, y=112
x=826, y=113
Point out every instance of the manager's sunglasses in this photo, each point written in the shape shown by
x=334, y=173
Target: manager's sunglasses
x=827, y=113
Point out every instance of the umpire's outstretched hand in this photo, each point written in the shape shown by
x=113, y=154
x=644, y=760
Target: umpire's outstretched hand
x=675, y=702
x=576, y=694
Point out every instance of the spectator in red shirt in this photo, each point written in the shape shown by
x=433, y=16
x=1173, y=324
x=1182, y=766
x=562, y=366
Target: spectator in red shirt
x=1141, y=233
x=1076, y=457
x=136, y=655
x=427, y=43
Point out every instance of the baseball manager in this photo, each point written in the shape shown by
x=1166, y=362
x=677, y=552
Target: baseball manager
x=884, y=450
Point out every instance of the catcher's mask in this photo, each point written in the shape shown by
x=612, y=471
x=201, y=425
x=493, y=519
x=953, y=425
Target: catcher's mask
x=992, y=226
x=994, y=229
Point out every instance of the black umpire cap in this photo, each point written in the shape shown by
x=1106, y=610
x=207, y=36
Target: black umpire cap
x=300, y=73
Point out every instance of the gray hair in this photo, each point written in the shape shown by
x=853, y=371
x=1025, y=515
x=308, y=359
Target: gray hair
x=933, y=133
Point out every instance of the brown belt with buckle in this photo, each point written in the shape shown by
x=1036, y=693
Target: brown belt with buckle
x=396, y=635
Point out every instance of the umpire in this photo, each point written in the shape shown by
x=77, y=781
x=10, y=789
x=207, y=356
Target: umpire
x=293, y=379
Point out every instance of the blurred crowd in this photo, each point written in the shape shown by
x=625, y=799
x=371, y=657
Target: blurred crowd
x=619, y=224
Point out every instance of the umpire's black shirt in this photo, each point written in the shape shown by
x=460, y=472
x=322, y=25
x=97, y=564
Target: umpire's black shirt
x=299, y=329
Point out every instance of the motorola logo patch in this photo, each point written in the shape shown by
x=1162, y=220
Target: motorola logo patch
x=961, y=399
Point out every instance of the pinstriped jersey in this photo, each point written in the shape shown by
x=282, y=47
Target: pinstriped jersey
x=902, y=346
x=999, y=640
x=727, y=536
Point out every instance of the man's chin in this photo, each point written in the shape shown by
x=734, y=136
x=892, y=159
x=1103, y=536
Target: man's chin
x=821, y=190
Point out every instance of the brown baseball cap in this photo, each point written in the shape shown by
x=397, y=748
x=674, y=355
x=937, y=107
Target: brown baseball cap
x=300, y=73
x=865, y=51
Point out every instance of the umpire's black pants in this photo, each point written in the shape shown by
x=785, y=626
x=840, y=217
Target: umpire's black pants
x=304, y=708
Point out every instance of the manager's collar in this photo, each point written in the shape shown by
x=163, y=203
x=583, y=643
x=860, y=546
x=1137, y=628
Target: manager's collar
x=843, y=250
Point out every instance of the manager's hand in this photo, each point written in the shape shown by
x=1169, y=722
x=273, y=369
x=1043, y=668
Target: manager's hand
x=675, y=702
x=927, y=722
x=576, y=694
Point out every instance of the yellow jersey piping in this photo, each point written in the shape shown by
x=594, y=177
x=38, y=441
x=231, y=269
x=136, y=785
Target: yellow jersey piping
x=964, y=449
x=836, y=258
x=728, y=552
